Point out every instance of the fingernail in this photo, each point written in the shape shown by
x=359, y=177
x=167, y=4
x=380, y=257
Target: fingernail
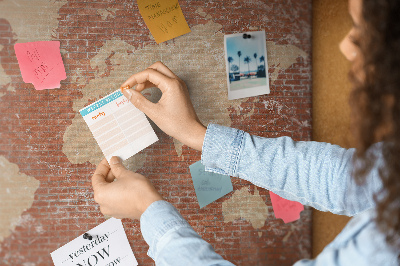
x=115, y=160
x=129, y=92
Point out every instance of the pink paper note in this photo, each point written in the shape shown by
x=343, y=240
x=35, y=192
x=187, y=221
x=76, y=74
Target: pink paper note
x=41, y=64
x=287, y=210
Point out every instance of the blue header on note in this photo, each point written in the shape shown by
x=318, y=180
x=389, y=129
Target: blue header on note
x=100, y=103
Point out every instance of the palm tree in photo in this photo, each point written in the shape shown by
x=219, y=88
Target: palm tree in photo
x=247, y=60
x=234, y=68
x=262, y=59
x=239, y=55
x=255, y=58
x=230, y=60
x=261, y=72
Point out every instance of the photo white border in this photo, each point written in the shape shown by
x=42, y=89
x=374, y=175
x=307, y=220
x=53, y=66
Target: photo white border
x=247, y=92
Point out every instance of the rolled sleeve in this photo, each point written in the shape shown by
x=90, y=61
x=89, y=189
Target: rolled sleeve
x=222, y=148
x=313, y=173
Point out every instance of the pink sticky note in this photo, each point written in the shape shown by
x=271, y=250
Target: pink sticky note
x=287, y=210
x=41, y=64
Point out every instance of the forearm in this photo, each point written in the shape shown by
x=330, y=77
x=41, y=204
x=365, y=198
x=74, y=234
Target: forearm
x=312, y=173
x=173, y=241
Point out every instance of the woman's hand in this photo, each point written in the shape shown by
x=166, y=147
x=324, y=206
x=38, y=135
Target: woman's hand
x=174, y=112
x=127, y=197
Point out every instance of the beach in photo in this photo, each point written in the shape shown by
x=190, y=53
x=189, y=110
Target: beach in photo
x=246, y=64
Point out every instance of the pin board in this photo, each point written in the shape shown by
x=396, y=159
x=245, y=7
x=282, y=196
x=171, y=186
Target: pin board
x=48, y=153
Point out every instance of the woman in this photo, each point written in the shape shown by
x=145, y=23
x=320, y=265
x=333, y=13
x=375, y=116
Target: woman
x=316, y=174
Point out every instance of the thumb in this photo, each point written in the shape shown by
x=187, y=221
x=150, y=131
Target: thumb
x=139, y=101
x=117, y=167
x=99, y=176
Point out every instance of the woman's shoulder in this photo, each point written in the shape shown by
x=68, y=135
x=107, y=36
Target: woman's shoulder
x=362, y=240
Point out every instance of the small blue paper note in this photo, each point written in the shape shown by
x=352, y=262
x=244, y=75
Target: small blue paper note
x=209, y=186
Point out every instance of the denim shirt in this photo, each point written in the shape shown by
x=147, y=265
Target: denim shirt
x=312, y=173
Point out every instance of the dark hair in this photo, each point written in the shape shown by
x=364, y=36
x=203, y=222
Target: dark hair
x=376, y=107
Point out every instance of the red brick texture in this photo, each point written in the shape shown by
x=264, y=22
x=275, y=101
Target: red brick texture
x=64, y=208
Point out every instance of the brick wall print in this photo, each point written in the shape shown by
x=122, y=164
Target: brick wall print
x=102, y=44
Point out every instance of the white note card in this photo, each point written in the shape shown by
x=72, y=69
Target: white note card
x=118, y=126
x=108, y=247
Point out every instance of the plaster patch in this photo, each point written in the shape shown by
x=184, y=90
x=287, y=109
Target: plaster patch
x=5, y=80
x=28, y=264
x=20, y=197
x=281, y=57
x=108, y=12
x=178, y=147
x=197, y=58
x=32, y=20
x=77, y=76
x=244, y=205
x=201, y=12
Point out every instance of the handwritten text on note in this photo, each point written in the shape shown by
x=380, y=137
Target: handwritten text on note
x=209, y=186
x=118, y=126
x=164, y=18
x=41, y=64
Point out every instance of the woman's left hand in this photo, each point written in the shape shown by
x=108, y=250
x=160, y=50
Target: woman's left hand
x=128, y=197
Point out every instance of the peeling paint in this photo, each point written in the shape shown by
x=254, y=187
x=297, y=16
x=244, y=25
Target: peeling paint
x=39, y=21
x=244, y=205
x=39, y=229
x=190, y=56
x=245, y=112
x=286, y=237
x=272, y=105
x=21, y=189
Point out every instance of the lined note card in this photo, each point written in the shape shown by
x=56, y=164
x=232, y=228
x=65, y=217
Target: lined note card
x=118, y=126
x=209, y=186
x=41, y=64
x=164, y=18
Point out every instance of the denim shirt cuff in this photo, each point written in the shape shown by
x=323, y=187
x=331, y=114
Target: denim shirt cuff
x=222, y=148
x=158, y=219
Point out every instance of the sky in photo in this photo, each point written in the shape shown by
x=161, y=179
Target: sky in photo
x=248, y=47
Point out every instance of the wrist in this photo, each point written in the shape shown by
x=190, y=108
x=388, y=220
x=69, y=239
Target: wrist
x=148, y=203
x=196, y=137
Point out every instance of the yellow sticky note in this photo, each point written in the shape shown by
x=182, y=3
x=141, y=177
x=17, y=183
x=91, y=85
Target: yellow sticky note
x=164, y=18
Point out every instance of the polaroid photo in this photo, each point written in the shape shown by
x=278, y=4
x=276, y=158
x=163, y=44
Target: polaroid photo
x=246, y=64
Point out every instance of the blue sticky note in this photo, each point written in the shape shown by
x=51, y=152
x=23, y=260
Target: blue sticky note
x=209, y=186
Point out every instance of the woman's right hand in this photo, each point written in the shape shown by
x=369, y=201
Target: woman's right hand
x=173, y=113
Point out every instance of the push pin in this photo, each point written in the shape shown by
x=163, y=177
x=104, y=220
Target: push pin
x=127, y=87
x=87, y=236
x=246, y=36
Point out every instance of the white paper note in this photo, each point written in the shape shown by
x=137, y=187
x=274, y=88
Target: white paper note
x=118, y=126
x=108, y=247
